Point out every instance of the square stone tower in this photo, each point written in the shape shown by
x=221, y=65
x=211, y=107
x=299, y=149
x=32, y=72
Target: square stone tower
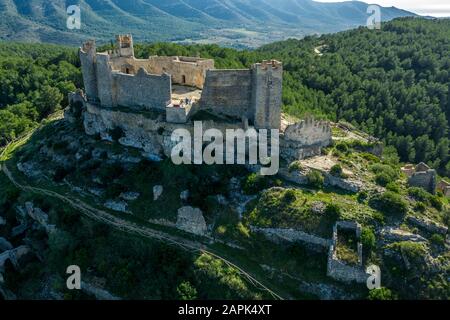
x=88, y=60
x=125, y=45
x=267, y=85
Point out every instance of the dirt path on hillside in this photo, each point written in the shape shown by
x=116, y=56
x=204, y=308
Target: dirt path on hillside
x=132, y=228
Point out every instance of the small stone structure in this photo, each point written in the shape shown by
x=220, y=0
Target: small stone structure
x=305, y=139
x=423, y=177
x=191, y=220
x=337, y=268
x=444, y=187
x=408, y=170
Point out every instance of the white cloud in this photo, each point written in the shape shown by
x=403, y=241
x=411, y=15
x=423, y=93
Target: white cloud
x=436, y=8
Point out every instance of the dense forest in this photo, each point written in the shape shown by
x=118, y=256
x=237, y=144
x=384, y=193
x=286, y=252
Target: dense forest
x=34, y=82
x=393, y=83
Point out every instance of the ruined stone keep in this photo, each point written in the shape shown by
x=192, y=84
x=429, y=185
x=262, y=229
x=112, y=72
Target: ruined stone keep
x=149, y=98
x=181, y=86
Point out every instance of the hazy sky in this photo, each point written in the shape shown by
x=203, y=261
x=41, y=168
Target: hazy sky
x=436, y=8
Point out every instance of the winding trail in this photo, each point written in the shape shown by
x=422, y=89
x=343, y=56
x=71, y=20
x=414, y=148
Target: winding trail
x=132, y=228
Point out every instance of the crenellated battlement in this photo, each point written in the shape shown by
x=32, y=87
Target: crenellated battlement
x=268, y=65
x=311, y=123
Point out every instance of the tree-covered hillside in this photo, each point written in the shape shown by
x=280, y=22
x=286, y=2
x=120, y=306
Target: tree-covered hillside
x=393, y=83
x=34, y=82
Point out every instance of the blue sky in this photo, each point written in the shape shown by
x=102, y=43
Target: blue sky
x=436, y=8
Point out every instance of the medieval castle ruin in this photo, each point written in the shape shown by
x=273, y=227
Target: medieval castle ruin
x=149, y=98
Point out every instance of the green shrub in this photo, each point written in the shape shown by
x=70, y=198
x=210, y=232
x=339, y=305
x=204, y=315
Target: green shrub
x=436, y=202
x=315, y=179
x=368, y=238
x=383, y=179
x=117, y=133
x=295, y=166
x=254, y=183
x=381, y=294
x=446, y=218
x=336, y=170
x=337, y=153
x=186, y=291
x=379, y=168
x=420, y=207
x=370, y=157
x=333, y=211
x=390, y=203
x=289, y=196
x=414, y=251
x=421, y=195
x=437, y=239
x=418, y=194
x=393, y=186
x=362, y=196
x=60, y=174
x=342, y=147
x=384, y=174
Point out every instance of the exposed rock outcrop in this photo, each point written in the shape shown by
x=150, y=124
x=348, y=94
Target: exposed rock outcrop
x=428, y=225
x=130, y=196
x=191, y=220
x=5, y=245
x=345, y=184
x=119, y=206
x=391, y=234
x=39, y=216
x=157, y=192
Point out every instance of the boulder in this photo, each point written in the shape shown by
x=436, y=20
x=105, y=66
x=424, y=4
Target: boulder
x=191, y=220
x=184, y=195
x=130, y=196
x=157, y=192
x=5, y=245
x=119, y=206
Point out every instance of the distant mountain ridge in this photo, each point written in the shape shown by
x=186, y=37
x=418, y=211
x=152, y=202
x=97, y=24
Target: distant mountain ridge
x=228, y=22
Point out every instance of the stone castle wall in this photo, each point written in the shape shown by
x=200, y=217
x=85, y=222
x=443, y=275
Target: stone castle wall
x=114, y=78
x=228, y=92
x=267, y=94
x=184, y=70
x=143, y=90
